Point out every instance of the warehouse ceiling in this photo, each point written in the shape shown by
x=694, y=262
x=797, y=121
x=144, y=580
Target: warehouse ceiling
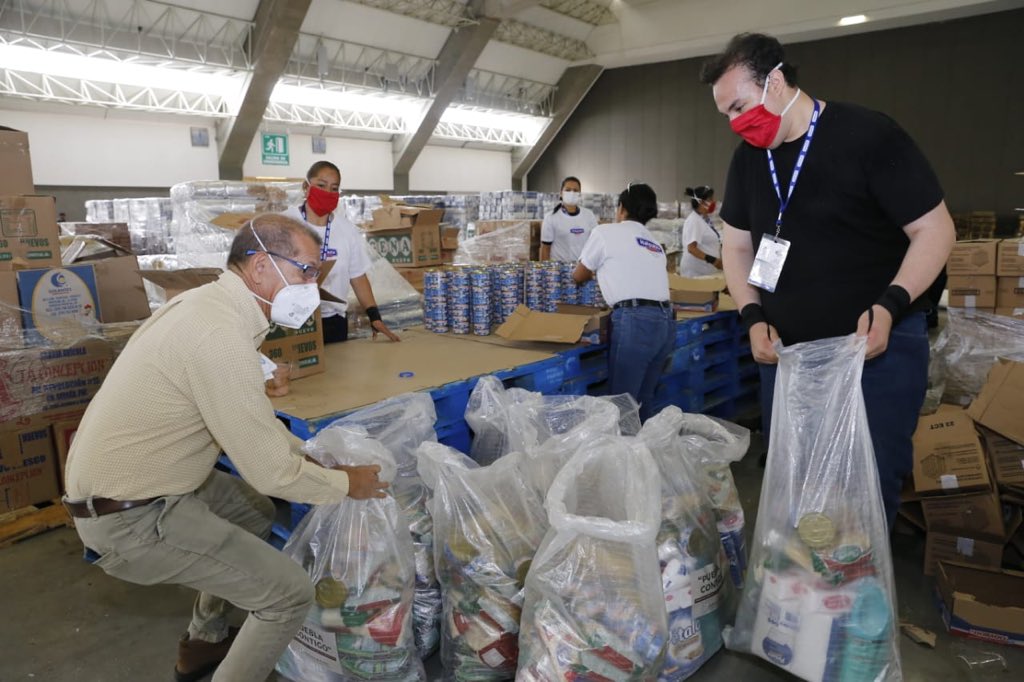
x=487, y=73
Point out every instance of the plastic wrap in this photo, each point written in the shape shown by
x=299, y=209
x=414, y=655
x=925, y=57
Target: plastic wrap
x=359, y=556
x=487, y=413
x=487, y=526
x=820, y=599
x=699, y=598
x=595, y=609
x=400, y=305
x=507, y=245
x=968, y=347
x=669, y=233
x=402, y=424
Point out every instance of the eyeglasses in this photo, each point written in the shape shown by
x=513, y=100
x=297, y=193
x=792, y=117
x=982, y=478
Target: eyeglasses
x=308, y=271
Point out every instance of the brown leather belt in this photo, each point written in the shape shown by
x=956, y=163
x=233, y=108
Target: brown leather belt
x=101, y=506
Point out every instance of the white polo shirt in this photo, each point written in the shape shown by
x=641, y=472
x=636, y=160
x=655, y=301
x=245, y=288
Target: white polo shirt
x=346, y=246
x=696, y=229
x=567, y=233
x=629, y=262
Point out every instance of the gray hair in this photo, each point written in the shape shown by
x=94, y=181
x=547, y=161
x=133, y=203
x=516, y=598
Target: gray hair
x=277, y=233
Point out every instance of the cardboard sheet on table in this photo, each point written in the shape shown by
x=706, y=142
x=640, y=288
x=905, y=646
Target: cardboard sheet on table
x=364, y=372
x=495, y=340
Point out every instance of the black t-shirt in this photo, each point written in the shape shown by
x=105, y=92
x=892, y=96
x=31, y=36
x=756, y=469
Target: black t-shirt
x=862, y=181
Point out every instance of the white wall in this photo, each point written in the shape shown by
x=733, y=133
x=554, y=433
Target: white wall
x=90, y=149
x=454, y=169
x=364, y=164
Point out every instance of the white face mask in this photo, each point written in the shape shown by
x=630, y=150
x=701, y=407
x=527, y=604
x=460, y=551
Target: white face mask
x=571, y=198
x=294, y=304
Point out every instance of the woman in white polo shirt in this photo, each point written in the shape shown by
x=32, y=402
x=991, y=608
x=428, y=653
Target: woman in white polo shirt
x=702, y=243
x=344, y=245
x=630, y=266
x=565, y=230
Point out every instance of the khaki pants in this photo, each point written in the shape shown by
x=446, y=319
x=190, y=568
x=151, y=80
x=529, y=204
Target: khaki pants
x=212, y=540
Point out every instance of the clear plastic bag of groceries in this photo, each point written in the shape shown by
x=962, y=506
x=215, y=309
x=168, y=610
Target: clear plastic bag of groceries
x=548, y=429
x=359, y=555
x=402, y=424
x=487, y=414
x=487, y=526
x=699, y=598
x=595, y=609
x=819, y=600
x=715, y=444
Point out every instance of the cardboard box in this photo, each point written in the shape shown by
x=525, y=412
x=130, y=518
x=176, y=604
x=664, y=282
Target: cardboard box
x=173, y=282
x=449, y=237
x=982, y=603
x=122, y=293
x=304, y=346
x=940, y=546
x=1000, y=405
x=29, y=232
x=1016, y=313
x=977, y=515
x=1010, y=292
x=63, y=434
x=695, y=293
x=973, y=257
x=1011, y=258
x=42, y=385
x=15, y=163
x=567, y=326
x=407, y=236
x=972, y=291
x=1005, y=457
x=598, y=321
x=28, y=470
x=947, y=453
x=10, y=312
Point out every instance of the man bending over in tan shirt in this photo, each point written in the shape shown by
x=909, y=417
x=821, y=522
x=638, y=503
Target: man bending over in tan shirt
x=141, y=482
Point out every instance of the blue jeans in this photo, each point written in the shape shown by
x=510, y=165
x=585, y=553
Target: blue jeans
x=641, y=340
x=894, y=384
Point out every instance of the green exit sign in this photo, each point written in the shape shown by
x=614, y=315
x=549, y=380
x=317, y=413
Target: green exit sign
x=275, y=150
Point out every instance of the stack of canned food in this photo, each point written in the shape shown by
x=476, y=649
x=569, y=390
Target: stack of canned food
x=435, y=310
x=456, y=300
x=480, y=296
x=570, y=290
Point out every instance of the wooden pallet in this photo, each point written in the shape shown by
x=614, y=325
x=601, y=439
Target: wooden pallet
x=33, y=520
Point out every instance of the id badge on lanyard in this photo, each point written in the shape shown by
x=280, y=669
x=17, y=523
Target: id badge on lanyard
x=768, y=262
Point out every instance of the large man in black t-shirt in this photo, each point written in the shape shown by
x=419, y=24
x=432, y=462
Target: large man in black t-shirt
x=867, y=227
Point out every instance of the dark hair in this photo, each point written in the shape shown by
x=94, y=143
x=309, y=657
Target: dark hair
x=277, y=233
x=699, y=194
x=756, y=51
x=315, y=169
x=570, y=178
x=639, y=201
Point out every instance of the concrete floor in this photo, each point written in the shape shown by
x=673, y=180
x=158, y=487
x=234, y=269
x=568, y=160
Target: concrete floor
x=63, y=620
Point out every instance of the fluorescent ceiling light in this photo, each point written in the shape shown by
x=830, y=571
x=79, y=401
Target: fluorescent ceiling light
x=403, y=107
x=106, y=70
x=853, y=20
x=531, y=126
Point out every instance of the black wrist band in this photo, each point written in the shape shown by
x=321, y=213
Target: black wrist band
x=373, y=313
x=708, y=258
x=896, y=300
x=751, y=314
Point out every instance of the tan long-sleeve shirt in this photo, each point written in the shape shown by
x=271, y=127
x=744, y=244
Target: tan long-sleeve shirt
x=188, y=385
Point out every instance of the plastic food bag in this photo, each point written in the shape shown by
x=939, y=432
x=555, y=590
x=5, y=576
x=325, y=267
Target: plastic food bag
x=698, y=596
x=968, y=347
x=488, y=417
x=487, y=526
x=359, y=556
x=402, y=424
x=819, y=600
x=595, y=609
x=715, y=444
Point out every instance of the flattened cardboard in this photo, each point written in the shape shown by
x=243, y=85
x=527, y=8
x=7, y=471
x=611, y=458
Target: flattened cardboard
x=122, y=293
x=28, y=469
x=529, y=325
x=972, y=291
x=982, y=603
x=947, y=453
x=1005, y=456
x=63, y=433
x=15, y=162
x=973, y=257
x=28, y=231
x=174, y=282
x=939, y=546
x=1000, y=405
x=1010, y=292
x=449, y=237
x=232, y=221
x=1011, y=258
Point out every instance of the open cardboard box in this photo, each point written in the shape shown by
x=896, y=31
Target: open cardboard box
x=406, y=235
x=568, y=325
x=695, y=293
x=982, y=603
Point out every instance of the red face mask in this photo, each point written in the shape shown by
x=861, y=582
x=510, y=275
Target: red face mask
x=321, y=201
x=758, y=126
x=711, y=206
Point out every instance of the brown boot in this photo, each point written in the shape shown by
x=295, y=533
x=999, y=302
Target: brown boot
x=197, y=659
